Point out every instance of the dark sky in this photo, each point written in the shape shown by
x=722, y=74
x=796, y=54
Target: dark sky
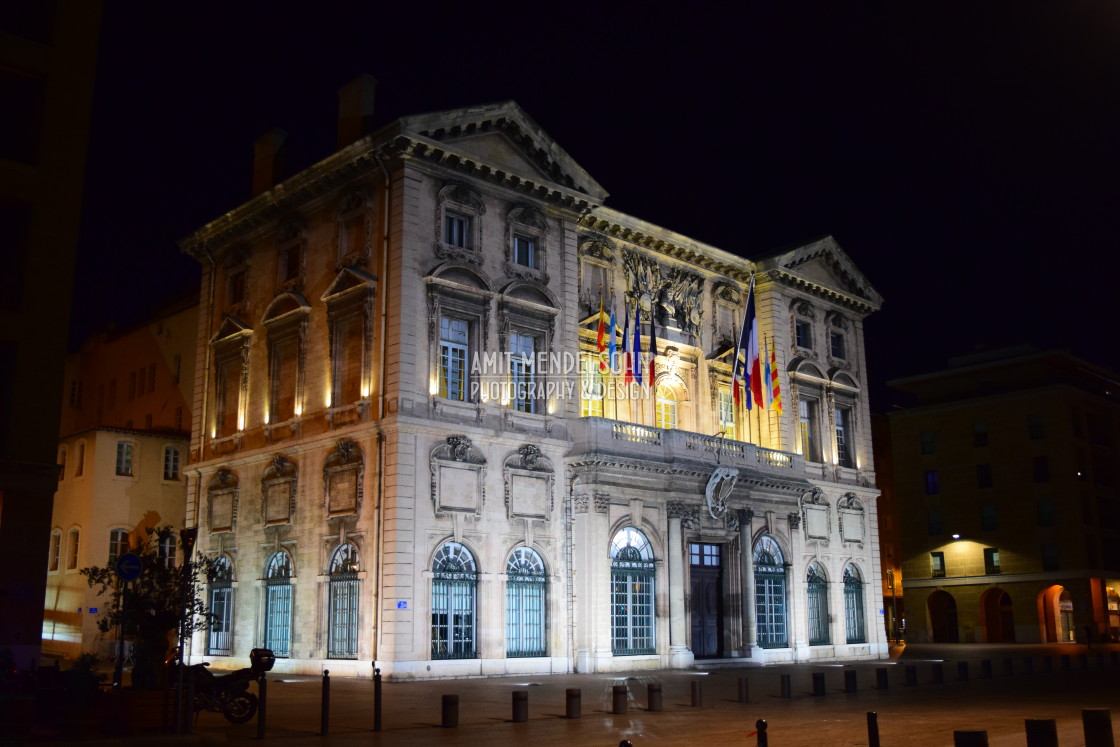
x=964, y=155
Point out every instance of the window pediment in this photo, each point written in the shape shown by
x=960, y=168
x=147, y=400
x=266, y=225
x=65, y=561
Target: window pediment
x=349, y=280
x=231, y=328
x=284, y=306
x=528, y=291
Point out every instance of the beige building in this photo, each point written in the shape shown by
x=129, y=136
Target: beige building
x=404, y=449
x=121, y=456
x=1005, y=478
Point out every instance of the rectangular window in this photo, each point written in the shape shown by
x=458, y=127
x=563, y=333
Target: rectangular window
x=56, y=550
x=118, y=544
x=1041, y=469
x=1036, y=426
x=283, y=364
x=453, y=351
x=726, y=413
x=348, y=333
x=1045, y=512
x=72, y=550
x=291, y=261
x=843, y=437
x=591, y=388
x=522, y=350
x=229, y=394
x=983, y=475
x=804, y=334
x=933, y=522
x=979, y=434
x=75, y=393
x=937, y=564
x=1050, y=557
x=171, y=459
x=932, y=486
x=991, y=560
x=807, y=410
x=124, y=459
x=166, y=551
x=929, y=442
x=988, y=518
x=456, y=230
x=524, y=250
x=836, y=345
x=235, y=287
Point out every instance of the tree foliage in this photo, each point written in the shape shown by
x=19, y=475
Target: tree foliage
x=151, y=608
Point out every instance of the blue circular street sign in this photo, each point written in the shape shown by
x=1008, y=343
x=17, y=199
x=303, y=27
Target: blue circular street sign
x=129, y=566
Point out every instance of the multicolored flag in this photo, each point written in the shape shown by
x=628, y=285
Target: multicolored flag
x=746, y=354
x=627, y=346
x=766, y=368
x=652, y=347
x=637, y=349
x=601, y=337
x=612, y=343
x=775, y=386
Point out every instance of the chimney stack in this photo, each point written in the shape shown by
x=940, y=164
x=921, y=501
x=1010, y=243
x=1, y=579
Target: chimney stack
x=355, y=109
x=268, y=151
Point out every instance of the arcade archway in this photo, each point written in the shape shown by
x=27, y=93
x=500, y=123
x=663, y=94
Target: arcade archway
x=943, y=617
x=1056, y=613
x=996, y=616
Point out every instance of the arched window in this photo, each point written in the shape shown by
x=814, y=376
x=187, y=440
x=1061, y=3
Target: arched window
x=817, y=591
x=278, y=604
x=770, y=593
x=526, y=604
x=632, y=610
x=666, y=411
x=853, y=606
x=454, y=592
x=342, y=636
x=220, y=640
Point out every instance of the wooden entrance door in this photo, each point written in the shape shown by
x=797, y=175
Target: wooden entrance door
x=706, y=572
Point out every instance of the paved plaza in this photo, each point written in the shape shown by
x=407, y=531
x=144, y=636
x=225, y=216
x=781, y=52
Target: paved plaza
x=923, y=714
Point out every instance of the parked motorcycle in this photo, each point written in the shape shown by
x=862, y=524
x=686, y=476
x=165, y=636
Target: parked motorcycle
x=227, y=694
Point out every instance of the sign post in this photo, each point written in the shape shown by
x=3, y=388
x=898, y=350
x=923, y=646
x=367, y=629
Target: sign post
x=129, y=566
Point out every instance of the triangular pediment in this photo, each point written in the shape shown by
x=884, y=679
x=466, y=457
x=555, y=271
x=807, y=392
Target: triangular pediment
x=231, y=327
x=824, y=265
x=504, y=138
x=350, y=278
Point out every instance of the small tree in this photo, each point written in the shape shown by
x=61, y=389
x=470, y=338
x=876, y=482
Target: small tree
x=152, y=608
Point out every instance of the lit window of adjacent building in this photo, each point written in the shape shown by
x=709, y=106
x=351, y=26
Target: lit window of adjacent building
x=726, y=413
x=932, y=486
x=456, y=230
x=979, y=434
x=166, y=550
x=844, y=437
x=171, y=463
x=124, y=458
x=55, y=551
x=937, y=564
x=665, y=407
x=453, y=352
x=928, y=442
x=1036, y=426
x=1041, y=469
x=991, y=560
x=522, y=350
x=983, y=475
x=591, y=390
x=988, y=519
x=118, y=544
x=72, y=550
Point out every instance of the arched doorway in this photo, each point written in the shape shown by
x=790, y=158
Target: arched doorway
x=943, y=617
x=1056, y=609
x=996, y=616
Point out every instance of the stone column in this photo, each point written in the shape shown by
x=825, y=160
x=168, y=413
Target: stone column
x=592, y=573
x=795, y=585
x=746, y=563
x=680, y=657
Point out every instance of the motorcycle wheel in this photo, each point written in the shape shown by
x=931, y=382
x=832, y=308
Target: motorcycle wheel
x=240, y=708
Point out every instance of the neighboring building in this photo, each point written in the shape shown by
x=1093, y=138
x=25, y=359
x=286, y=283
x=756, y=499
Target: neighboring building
x=890, y=546
x=48, y=56
x=122, y=457
x=1006, y=482
x=382, y=483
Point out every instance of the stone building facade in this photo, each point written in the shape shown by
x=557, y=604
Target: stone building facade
x=385, y=483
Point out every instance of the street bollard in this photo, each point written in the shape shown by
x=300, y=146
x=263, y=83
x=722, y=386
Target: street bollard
x=325, y=708
x=1028, y=665
x=744, y=690
x=986, y=669
x=784, y=685
x=376, y=698
x=962, y=671
x=572, y=702
x=1097, y=723
x=697, y=694
x=1066, y=662
x=262, y=704
x=1042, y=732
x=818, y=683
x=872, y=729
x=760, y=727
x=850, y=685
x=653, y=696
x=625, y=743
x=937, y=672
x=882, y=678
x=1008, y=668
x=911, y=675
x=520, y=706
x=450, y=715
x=970, y=739
x=620, y=696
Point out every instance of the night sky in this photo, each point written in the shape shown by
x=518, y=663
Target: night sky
x=964, y=155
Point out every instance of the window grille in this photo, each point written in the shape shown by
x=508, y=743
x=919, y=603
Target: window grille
x=278, y=605
x=219, y=642
x=770, y=594
x=632, y=594
x=853, y=606
x=454, y=590
x=526, y=604
x=342, y=639
x=817, y=590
